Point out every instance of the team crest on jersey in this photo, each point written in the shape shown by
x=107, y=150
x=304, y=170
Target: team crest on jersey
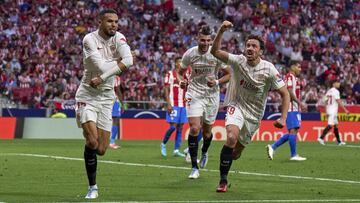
x=260, y=77
x=113, y=48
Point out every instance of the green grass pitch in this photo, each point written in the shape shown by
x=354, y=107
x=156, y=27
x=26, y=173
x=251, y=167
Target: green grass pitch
x=53, y=171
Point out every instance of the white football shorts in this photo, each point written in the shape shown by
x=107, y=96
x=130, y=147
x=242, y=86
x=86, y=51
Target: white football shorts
x=332, y=119
x=247, y=128
x=94, y=105
x=205, y=107
x=92, y=111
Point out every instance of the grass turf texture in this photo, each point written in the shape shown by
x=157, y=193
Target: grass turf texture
x=46, y=179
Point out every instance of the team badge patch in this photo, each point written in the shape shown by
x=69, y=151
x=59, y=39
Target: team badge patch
x=112, y=48
x=212, y=62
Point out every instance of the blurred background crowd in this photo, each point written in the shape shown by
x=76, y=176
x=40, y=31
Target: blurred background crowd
x=41, y=45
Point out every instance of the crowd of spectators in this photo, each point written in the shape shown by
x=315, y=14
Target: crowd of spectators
x=40, y=50
x=324, y=35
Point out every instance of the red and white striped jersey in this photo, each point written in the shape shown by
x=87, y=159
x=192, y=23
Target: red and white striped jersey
x=117, y=81
x=176, y=94
x=293, y=85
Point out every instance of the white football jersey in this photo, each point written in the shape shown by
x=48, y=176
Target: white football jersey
x=100, y=55
x=331, y=104
x=202, y=66
x=249, y=86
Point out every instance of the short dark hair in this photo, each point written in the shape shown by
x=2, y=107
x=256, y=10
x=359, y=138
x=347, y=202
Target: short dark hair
x=258, y=38
x=293, y=62
x=105, y=11
x=178, y=58
x=205, y=30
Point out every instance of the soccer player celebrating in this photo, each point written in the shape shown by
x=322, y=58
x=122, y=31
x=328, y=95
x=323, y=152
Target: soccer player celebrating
x=176, y=111
x=293, y=121
x=332, y=104
x=105, y=54
x=251, y=80
x=203, y=95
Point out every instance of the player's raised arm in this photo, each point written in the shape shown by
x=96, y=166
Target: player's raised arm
x=215, y=49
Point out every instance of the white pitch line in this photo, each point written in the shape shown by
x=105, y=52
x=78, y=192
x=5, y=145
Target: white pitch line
x=246, y=201
x=350, y=146
x=265, y=200
x=184, y=168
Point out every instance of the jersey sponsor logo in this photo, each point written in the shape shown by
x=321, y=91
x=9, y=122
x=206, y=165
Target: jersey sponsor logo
x=203, y=70
x=247, y=85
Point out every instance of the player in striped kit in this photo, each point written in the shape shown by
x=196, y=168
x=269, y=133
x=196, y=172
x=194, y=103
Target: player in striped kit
x=176, y=110
x=293, y=121
x=117, y=110
x=251, y=80
x=203, y=95
x=332, y=105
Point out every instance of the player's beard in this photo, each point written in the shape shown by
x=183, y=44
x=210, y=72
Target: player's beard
x=204, y=48
x=110, y=33
x=250, y=57
x=253, y=56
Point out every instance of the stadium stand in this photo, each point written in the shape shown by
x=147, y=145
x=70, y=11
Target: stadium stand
x=41, y=45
